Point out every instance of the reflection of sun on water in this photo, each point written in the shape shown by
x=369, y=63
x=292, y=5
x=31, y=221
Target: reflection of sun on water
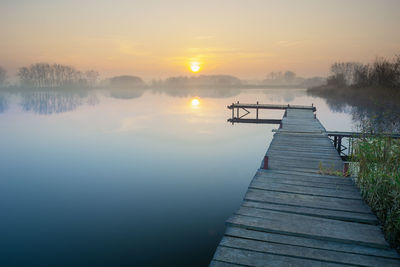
x=195, y=102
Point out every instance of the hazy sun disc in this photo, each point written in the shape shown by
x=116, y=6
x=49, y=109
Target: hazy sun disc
x=195, y=102
x=195, y=67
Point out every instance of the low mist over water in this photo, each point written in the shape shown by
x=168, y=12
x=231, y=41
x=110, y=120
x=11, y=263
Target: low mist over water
x=102, y=177
x=115, y=149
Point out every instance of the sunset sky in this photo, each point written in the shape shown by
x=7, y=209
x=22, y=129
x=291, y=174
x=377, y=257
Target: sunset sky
x=158, y=38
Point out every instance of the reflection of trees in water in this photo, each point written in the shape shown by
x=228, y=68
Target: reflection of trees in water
x=49, y=102
x=92, y=99
x=339, y=106
x=379, y=119
x=126, y=93
x=380, y=107
x=201, y=92
x=3, y=103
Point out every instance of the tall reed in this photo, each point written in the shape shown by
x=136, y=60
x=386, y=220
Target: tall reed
x=379, y=181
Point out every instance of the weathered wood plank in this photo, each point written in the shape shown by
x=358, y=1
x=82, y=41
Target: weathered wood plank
x=311, y=227
x=302, y=149
x=322, y=213
x=297, y=155
x=312, y=191
x=307, y=201
x=215, y=263
x=311, y=243
x=311, y=175
x=251, y=258
x=306, y=253
x=305, y=182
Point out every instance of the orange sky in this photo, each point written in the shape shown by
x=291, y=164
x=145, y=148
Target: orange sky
x=157, y=38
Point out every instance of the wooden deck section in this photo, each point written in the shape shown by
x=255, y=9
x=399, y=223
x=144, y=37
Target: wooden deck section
x=292, y=215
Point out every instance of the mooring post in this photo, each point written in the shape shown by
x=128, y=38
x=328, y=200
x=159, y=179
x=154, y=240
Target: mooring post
x=257, y=111
x=346, y=169
x=265, y=162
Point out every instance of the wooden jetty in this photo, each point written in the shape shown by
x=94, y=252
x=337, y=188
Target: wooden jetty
x=293, y=215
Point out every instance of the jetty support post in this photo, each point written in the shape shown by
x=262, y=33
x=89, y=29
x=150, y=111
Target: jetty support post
x=339, y=145
x=257, y=111
x=265, y=165
x=237, y=111
x=346, y=169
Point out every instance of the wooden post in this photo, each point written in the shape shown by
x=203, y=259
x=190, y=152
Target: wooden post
x=346, y=169
x=265, y=162
x=339, y=147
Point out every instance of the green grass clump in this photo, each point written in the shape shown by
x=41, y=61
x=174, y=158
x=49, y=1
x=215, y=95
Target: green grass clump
x=379, y=181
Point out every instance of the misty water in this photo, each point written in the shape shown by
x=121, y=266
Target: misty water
x=113, y=178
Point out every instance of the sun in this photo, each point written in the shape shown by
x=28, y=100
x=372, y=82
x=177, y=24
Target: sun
x=194, y=66
x=195, y=102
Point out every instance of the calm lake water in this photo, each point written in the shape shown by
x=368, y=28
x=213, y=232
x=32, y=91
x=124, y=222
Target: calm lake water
x=120, y=178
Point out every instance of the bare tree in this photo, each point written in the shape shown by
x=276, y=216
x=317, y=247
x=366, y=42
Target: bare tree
x=289, y=76
x=381, y=72
x=43, y=75
x=92, y=76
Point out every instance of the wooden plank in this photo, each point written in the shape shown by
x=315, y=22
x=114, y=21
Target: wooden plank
x=314, y=175
x=251, y=258
x=303, y=142
x=299, y=155
x=259, y=121
x=310, y=243
x=358, y=134
x=306, y=178
x=303, y=166
x=261, y=185
x=306, y=147
x=302, y=148
x=307, y=201
x=215, y=263
x=306, y=253
x=270, y=106
x=305, y=183
x=299, y=225
x=322, y=213
x=291, y=160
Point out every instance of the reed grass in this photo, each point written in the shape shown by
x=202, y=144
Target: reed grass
x=379, y=181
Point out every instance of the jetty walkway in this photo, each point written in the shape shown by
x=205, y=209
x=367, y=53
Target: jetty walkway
x=293, y=215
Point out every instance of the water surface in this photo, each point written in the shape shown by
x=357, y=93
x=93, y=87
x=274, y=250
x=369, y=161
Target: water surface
x=121, y=177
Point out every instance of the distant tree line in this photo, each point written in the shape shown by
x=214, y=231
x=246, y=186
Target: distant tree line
x=126, y=81
x=381, y=73
x=202, y=81
x=289, y=78
x=44, y=75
